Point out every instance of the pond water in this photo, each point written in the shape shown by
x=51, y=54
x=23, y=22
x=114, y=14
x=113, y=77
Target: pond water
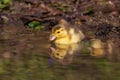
x=34, y=58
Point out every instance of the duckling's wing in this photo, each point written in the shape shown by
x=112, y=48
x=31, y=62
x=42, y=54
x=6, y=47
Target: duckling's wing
x=76, y=36
x=82, y=36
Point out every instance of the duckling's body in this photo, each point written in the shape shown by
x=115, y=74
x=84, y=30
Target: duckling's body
x=97, y=47
x=63, y=33
x=64, y=40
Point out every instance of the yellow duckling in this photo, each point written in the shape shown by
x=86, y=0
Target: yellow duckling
x=64, y=33
x=97, y=48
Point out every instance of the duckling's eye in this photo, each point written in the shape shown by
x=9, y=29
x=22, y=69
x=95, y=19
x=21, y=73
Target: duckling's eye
x=58, y=32
x=57, y=54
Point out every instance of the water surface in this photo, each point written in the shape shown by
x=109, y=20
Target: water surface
x=29, y=57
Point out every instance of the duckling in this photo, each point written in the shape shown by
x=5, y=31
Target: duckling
x=97, y=48
x=64, y=33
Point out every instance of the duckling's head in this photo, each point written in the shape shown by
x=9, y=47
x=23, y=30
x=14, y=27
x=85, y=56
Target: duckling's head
x=58, y=53
x=58, y=32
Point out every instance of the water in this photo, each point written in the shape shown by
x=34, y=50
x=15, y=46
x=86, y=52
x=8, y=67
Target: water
x=32, y=57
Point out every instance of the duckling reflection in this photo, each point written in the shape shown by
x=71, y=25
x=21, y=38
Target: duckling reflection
x=99, y=48
x=64, y=53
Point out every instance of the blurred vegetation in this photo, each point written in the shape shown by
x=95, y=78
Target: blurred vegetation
x=5, y=3
x=36, y=25
x=62, y=7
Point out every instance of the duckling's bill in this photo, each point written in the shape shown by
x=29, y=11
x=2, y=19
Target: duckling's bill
x=52, y=37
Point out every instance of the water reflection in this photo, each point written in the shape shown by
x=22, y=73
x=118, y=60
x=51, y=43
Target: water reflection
x=97, y=48
x=94, y=48
x=28, y=59
x=65, y=53
x=107, y=49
